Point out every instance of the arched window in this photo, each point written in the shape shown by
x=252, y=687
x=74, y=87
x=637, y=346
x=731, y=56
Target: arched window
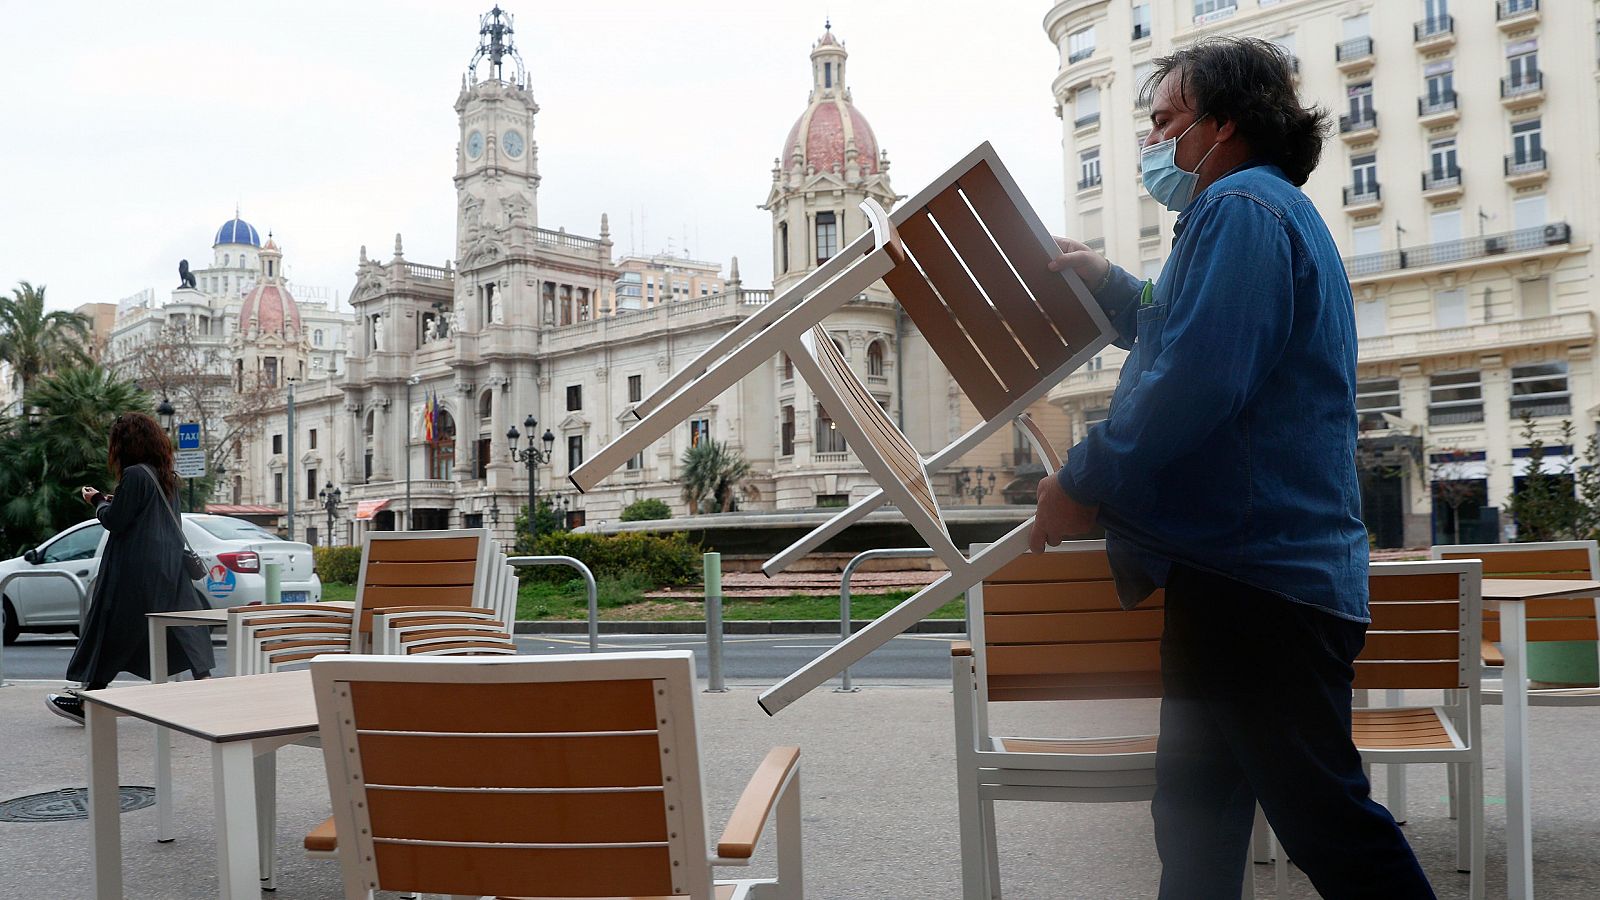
x=371, y=417
x=225, y=260
x=875, y=358
x=442, y=450
x=486, y=405
x=788, y=368
x=827, y=439
x=316, y=338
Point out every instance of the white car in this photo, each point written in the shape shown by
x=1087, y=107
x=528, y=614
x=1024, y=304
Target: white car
x=235, y=551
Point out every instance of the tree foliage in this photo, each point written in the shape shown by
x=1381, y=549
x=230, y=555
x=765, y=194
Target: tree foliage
x=549, y=523
x=1555, y=502
x=36, y=341
x=712, y=472
x=646, y=510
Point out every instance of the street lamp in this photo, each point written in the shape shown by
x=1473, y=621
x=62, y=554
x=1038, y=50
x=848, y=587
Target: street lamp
x=330, y=502
x=979, y=488
x=494, y=513
x=165, y=412
x=532, y=457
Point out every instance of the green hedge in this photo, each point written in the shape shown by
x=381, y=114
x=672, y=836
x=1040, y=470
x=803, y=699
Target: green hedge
x=660, y=559
x=646, y=510
x=341, y=565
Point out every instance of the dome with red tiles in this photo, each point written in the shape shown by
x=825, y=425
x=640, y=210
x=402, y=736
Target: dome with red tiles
x=269, y=308
x=831, y=134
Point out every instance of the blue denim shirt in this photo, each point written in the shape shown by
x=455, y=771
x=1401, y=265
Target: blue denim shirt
x=1230, y=445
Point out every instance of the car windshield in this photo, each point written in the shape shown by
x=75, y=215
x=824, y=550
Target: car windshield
x=225, y=528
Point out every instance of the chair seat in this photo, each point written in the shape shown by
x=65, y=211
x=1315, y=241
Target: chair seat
x=1404, y=728
x=1087, y=746
x=1576, y=696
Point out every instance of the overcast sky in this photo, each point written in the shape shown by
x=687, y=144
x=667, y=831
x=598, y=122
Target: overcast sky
x=132, y=129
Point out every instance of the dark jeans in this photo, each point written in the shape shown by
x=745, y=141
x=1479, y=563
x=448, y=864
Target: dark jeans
x=1256, y=708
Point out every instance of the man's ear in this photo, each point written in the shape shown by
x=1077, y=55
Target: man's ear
x=1225, y=130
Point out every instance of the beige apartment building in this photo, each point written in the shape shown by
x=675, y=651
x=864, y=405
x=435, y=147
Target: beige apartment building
x=644, y=282
x=1461, y=186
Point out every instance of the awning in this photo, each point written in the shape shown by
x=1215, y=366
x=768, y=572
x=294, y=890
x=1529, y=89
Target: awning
x=366, y=509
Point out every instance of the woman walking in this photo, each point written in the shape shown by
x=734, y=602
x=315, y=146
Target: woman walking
x=141, y=570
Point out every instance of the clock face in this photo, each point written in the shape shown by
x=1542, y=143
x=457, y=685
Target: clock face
x=475, y=144
x=513, y=144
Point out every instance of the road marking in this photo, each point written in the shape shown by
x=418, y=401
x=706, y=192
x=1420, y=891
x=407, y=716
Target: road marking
x=801, y=646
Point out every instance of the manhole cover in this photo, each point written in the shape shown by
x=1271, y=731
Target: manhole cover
x=68, y=804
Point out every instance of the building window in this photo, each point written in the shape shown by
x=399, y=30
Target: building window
x=316, y=338
x=828, y=438
x=1089, y=168
x=486, y=405
x=277, y=487
x=1086, y=106
x=1021, y=447
x=1372, y=318
x=635, y=462
x=277, y=444
x=1442, y=159
x=698, y=429
x=366, y=468
x=788, y=367
x=827, y=74
x=480, y=465
x=875, y=359
x=1204, y=8
x=1141, y=27
x=574, y=397
x=783, y=246
x=1441, y=84
x=1522, y=61
x=269, y=371
x=372, y=416
x=1374, y=398
x=1527, y=142
x=786, y=432
x=1359, y=97
x=1450, y=308
x=827, y=237
x=1364, y=175
x=1455, y=398
x=574, y=451
x=311, y=484
x=1080, y=44
x=635, y=388
x=311, y=439
x=1535, y=295
x=1540, y=390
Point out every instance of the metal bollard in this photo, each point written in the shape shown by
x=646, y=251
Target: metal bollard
x=274, y=591
x=845, y=686
x=713, y=570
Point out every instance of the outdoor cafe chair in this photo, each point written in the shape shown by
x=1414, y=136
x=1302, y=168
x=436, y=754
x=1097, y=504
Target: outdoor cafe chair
x=439, y=573
x=267, y=637
x=548, y=777
x=395, y=630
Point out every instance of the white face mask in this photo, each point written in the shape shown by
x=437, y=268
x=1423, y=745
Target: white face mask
x=1170, y=185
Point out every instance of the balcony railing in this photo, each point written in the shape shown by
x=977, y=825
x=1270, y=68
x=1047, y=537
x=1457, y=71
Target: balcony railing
x=1525, y=163
x=1571, y=326
x=1464, y=414
x=1432, y=28
x=1355, y=48
x=1361, y=122
x=1362, y=193
x=1506, y=9
x=1433, y=104
x=1089, y=181
x=1080, y=55
x=1517, y=85
x=1439, y=179
x=1521, y=240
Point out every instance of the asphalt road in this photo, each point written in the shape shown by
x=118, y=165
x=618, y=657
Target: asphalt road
x=749, y=659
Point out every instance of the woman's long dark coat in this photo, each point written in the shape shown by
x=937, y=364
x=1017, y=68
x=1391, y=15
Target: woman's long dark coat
x=141, y=571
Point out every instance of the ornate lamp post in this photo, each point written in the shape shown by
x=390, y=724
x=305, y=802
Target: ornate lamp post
x=494, y=513
x=972, y=484
x=329, y=496
x=531, y=457
x=165, y=413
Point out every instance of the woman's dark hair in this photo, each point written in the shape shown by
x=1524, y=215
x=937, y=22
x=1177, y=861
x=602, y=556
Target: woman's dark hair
x=136, y=439
x=1249, y=82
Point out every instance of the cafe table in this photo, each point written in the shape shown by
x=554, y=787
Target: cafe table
x=1507, y=595
x=245, y=720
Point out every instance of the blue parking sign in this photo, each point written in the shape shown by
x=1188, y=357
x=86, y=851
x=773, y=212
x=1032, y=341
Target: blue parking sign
x=189, y=436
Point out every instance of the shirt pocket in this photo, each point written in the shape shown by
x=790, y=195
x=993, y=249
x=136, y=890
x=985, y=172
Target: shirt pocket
x=1152, y=322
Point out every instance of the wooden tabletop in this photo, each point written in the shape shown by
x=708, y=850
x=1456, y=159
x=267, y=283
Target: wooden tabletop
x=221, y=710
x=192, y=616
x=1537, y=588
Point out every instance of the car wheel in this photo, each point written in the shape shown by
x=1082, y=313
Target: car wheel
x=13, y=627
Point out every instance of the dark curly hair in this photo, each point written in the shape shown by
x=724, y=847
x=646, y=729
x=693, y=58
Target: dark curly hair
x=1249, y=82
x=136, y=439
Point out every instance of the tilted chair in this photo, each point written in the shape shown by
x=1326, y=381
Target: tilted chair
x=548, y=777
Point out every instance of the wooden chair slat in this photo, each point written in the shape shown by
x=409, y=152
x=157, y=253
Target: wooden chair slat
x=1052, y=658
x=512, y=762
x=1560, y=630
x=980, y=321
x=1048, y=597
x=1426, y=614
x=1140, y=744
x=1443, y=586
x=505, y=871
x=1573, y=562
x=947, y=340
x=435, y=633
x=1408, y=675
x=1030, y=326
x=1072, y=628
x=417, y=550
x=595, y=817
x=1558, y=608
x=1093, y=686
x=999, y=214
x=541, y=707
x=1412, y=645
x=1037, y=567
x=406, y=572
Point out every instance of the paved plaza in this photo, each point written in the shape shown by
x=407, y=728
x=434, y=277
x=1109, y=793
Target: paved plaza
x=879, y=804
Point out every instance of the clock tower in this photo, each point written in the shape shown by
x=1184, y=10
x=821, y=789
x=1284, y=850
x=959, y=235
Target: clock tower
x=497, y=161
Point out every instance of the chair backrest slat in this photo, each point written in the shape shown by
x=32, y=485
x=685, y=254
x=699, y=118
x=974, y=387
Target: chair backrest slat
x=422, y=550
x=421, y=568
x=1565, y=619
x=948, y=342
x=407, y=572
x=1424, y=633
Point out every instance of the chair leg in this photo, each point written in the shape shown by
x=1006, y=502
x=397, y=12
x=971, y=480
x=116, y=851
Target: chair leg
x=1474, y=802
x=1261, y=838
x=991, y=851
x=971, y=824
x=1452, y=777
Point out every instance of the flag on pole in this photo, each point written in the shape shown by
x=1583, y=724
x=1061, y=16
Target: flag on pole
x=427, y=418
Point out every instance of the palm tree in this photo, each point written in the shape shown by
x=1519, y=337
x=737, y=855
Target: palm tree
x=35, y=341
x=712, y=471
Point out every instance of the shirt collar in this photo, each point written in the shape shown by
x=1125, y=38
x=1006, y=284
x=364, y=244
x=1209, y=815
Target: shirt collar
x=1253, y=162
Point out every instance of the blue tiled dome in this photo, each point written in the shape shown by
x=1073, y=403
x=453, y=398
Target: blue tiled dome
x=237, y=231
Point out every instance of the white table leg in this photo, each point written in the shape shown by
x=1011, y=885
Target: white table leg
x=1519, y=820
x=105, y=807
x=266, y=766
x=234, y=788
x=158, y=675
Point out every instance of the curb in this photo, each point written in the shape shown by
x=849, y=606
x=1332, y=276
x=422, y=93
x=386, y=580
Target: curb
x=698, y=626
